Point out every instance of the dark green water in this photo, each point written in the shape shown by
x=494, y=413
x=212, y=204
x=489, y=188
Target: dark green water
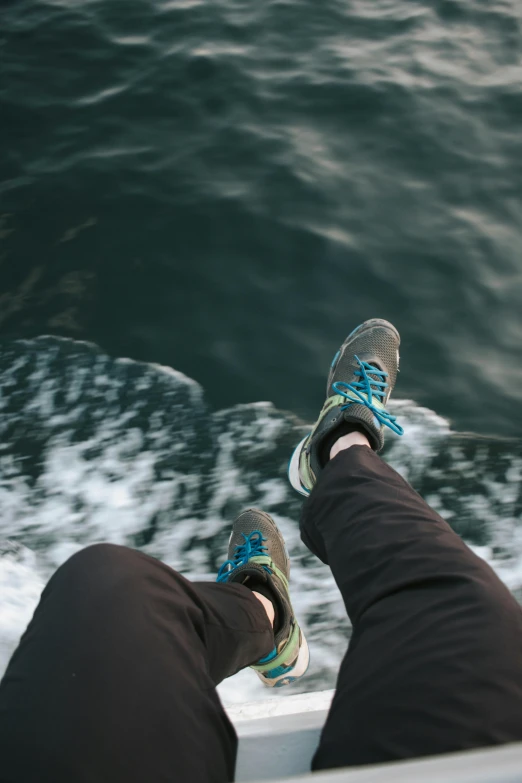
x=228, y=188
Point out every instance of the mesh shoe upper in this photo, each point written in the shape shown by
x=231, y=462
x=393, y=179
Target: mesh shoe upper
x=251, y=520
x=375, y=342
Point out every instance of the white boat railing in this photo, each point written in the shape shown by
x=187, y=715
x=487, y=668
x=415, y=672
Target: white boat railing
x=278, y=737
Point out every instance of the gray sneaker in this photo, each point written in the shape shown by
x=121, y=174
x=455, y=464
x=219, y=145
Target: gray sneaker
x=361, y=379
x=258, y=558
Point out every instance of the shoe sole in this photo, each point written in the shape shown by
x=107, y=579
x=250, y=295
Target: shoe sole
x=300, y=668
x=293, y=470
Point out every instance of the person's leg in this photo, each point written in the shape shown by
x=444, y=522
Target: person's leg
x=435, y=661
x=114, y=679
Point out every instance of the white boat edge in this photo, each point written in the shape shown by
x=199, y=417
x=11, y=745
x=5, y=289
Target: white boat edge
x=285, y=705
x=278, y=737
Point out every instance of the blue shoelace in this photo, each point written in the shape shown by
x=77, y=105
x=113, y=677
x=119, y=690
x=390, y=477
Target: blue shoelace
x=365, y=390
x=252, y=547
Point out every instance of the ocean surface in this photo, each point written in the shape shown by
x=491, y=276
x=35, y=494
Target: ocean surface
x=199, y=199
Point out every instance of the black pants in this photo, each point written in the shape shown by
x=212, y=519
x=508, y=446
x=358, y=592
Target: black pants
x=114, y=679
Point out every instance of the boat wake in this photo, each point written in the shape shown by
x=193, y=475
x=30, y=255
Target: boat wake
x=94, y=449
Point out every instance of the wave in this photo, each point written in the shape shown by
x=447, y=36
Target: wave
x=94, y=448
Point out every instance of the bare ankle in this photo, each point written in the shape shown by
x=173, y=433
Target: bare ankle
x=346, y=441
x=267, y=606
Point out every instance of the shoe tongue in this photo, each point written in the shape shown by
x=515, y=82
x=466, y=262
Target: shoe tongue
x=373, y=377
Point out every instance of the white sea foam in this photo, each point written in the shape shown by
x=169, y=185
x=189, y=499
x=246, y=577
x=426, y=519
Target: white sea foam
x=20, y=588
x=95, y=449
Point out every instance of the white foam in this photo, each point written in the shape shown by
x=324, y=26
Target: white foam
x=142, y=478
x=20, y=588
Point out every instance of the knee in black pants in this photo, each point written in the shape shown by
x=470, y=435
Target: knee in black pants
x=98, y=568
